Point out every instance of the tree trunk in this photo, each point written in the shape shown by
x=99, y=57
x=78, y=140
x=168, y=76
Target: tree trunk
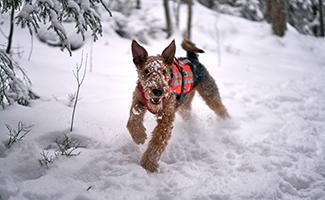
x=168, y=19
x=279, y=17
x=11, y=31
x=177, y=7
x=189, y=19
x=138, y=6
x=211, y=3
x=208, y=3
x=268, y=13
x=321, y=19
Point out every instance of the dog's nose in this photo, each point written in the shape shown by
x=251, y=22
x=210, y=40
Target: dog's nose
x=157, y=92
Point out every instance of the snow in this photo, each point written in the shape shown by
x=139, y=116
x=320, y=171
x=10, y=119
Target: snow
x=73, y=5
x=273, y=146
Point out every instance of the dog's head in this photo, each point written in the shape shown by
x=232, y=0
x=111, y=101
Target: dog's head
x=154, y=73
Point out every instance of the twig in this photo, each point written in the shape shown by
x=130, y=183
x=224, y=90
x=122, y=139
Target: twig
x=79, y=80
x=91, y=56
x=218, y=42
x=106, y=8
x=31, y=46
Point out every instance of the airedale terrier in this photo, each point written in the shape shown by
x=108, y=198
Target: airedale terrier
x=166, y=85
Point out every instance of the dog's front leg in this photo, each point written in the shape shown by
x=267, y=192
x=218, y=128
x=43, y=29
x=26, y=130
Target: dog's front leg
x=135, y=122
x=160, y=136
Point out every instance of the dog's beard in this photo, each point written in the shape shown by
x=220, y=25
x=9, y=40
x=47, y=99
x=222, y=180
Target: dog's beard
x=155, y=107
x=155, y=104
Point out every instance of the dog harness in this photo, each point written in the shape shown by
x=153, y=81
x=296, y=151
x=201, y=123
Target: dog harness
x=181, y=82
x=182, y=79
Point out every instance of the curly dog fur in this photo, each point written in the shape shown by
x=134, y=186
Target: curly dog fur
x=154, y=74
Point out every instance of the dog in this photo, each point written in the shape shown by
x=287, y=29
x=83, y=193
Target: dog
x=167, y=85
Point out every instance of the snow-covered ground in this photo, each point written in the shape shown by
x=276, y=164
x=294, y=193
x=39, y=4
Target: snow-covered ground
x=273, y=147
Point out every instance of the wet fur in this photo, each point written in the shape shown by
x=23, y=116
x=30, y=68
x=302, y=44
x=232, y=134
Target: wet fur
x=204, y=84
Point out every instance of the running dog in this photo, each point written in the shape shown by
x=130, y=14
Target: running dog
x=166, y=85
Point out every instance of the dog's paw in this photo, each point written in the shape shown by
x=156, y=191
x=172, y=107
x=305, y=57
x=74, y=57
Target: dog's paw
x=138, y=132
x=139, y=138
x=149, y=165
x=225, y=115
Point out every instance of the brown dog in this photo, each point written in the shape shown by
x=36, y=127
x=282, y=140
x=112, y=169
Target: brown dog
x=166, y=85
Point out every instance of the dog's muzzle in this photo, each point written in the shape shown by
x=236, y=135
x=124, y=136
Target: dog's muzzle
x=155, y=101
x=157, y=96
x=157, y=92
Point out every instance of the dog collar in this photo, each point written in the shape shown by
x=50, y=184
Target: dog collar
x=140, y=87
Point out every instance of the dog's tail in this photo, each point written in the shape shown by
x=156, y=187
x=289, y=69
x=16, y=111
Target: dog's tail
x=191, y=49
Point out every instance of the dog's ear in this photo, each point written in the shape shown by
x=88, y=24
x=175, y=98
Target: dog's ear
x=139, y=53
x=169, y=53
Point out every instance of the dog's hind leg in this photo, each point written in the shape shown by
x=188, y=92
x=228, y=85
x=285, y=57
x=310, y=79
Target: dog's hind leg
x=135, y=122
x=208, y=90
x=160, y=136
x=185, y=107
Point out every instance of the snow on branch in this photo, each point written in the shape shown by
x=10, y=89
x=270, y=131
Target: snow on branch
x=13, y=88
x=83, y=12
x=67, y=146
x=6, y=5
x=16, y=135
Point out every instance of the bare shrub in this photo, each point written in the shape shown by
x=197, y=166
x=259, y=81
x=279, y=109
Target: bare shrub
x=16, y=135
x=46, y=159
x=67, y=146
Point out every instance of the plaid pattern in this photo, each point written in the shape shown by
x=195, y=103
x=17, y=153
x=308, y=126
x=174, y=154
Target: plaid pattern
x=182, y=78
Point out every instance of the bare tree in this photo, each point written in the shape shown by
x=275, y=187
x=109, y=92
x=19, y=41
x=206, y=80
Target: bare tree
x=80, y=79
x=176, y=9
x=277, y=15
x=11, y=30
x=138, y=4
x=208, y=3
x=91, y=56
x=321, y=18
x=189, y=19
x=6, y=6
x=169, y=29
x=218, y=39
x=268, y=12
